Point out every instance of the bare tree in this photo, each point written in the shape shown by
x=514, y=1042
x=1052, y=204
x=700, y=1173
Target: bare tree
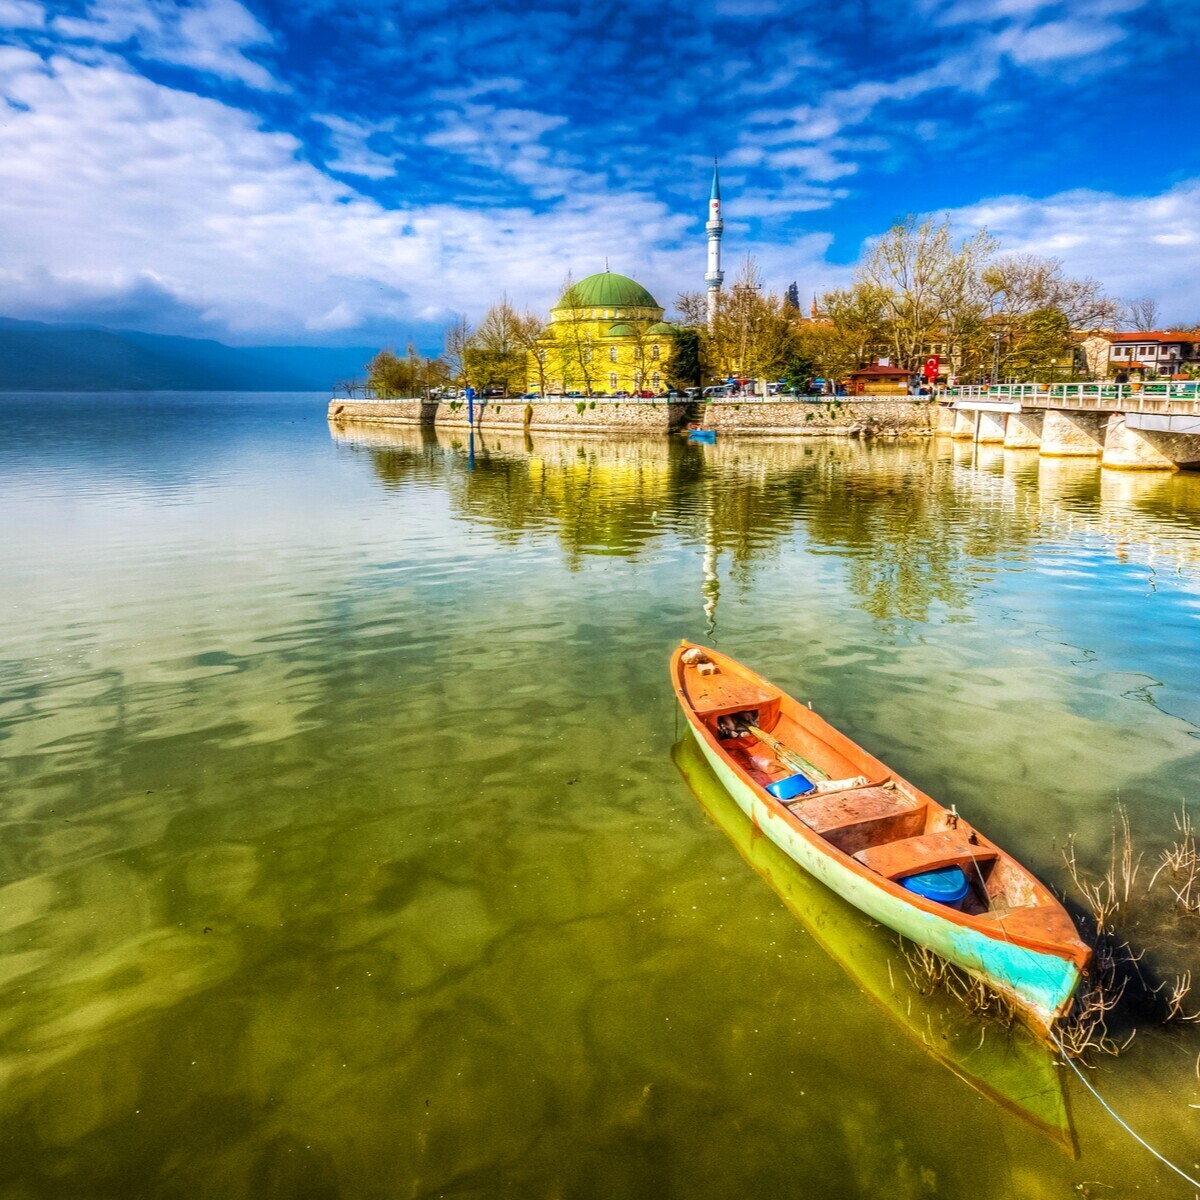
x=456, y=350
x=573, y=336
x=692, y=308
x=532, y=334
x=1142, y=313
x=929, y=285
x=497, y=354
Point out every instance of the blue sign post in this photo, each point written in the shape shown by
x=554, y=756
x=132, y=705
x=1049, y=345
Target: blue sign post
x=471, y=407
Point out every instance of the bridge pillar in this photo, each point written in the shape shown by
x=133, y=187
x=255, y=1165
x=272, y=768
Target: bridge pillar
x=1073, y=434
x=1128, y=449
x=945, y=420
x=964, y=426
x=1024, y=430
x=990, y=427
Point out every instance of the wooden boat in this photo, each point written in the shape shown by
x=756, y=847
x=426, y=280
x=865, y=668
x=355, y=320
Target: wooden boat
x=1010, y=1067
x=877, y=840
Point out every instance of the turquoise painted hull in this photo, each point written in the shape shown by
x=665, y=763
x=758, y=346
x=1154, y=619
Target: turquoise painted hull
x=1040, y=984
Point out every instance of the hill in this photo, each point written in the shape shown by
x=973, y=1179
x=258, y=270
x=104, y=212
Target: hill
x=41, y=357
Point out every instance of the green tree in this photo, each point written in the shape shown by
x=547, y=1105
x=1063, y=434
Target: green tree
x=685, y=368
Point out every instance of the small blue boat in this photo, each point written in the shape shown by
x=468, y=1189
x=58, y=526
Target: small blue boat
x=702, y=435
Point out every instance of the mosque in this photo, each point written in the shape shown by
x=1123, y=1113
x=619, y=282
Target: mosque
x=607, y=334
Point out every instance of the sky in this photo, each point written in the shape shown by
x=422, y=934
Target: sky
x=330, y=174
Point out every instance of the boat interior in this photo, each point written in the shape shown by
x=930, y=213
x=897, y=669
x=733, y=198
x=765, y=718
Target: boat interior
x=859, y=807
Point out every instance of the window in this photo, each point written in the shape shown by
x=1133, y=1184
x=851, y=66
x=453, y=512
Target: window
x=654, y=351
x=1145, y=349
x=655, y=379
x=612, y=354
x=612, y=381
x=587, y=355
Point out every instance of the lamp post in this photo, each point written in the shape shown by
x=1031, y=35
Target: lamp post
x=995, y=358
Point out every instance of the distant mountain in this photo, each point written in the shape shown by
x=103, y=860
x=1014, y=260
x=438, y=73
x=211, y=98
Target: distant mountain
x=88, y=358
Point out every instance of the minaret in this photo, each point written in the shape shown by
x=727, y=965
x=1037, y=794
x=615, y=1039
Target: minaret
x=714, y=277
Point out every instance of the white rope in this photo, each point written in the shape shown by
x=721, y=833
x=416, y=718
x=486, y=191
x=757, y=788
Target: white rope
x=1133, y=1133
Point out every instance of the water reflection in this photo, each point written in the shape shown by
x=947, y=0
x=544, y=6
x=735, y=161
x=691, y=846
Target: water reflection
x=341, y=848
x=1007, y=1066
x=918, y=523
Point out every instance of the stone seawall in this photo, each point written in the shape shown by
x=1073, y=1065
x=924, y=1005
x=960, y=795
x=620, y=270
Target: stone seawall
x=566, y=416
x=885, y=416
x=858, y=416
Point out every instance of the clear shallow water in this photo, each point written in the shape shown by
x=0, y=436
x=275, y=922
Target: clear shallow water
x=343, y=852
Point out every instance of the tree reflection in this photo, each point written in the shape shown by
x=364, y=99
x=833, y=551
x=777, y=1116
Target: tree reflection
x=916, y=523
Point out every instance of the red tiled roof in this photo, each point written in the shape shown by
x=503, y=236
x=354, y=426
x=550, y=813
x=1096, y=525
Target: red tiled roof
x=881, y=371
x=1154, y=335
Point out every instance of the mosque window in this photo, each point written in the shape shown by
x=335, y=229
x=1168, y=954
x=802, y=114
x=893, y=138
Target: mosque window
x=612, y=381
x=654, y=351
x=612, y=354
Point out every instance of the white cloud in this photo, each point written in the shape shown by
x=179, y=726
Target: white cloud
x=206, y=35
x=124, y=193
x=1132, y=244
x=21, y=14
x=353, y=155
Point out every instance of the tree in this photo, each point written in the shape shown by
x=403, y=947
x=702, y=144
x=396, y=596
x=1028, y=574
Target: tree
x=928, y=285
x=1021, y=287
x=692, y=308
x=1142, y=313
x=574, y=341
x=411, y=376
x=456, y=351
x=685, y=368
x=792, y=296
x=531, y=334
x=754, y=335
x=497, y=353
x=1044, y=350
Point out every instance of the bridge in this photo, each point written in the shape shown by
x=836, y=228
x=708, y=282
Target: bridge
x=1148, y=426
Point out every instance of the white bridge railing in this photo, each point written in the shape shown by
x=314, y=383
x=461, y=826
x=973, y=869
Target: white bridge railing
x=1172, y=396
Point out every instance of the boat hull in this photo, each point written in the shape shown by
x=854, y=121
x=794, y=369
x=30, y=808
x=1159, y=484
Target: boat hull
x=1041, y=985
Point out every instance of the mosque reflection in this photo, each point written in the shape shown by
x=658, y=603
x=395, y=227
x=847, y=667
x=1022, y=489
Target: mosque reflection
x=914, y=522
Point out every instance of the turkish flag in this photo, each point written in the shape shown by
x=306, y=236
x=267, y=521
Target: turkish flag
x=931, y=367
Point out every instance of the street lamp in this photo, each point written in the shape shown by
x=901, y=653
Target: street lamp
x=995, y=358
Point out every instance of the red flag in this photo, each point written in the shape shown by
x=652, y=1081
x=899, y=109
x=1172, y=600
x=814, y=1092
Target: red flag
x=931, y=367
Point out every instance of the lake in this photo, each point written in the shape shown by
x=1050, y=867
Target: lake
x=350, y=848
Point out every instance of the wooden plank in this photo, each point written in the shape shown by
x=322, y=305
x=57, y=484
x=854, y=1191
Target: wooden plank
x=928, y=852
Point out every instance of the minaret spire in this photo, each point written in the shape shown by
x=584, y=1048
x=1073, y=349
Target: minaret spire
x=714, y=277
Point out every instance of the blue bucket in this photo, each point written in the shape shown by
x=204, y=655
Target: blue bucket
x=947, y=885
x=791, y=787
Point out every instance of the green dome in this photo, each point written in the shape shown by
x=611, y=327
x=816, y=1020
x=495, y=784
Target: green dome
x=661, y=327
x=607, y=290
x=621, y=329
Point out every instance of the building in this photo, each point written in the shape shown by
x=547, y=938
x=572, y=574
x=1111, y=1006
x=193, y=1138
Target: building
x=879, y=380
x=1157, y=352
x=606, y=334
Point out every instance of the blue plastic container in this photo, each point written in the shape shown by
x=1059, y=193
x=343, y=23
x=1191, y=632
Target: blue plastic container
x=791, y=787
x=947, y=885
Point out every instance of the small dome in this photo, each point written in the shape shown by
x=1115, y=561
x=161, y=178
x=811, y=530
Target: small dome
x=621, y=329
x=662, y=327
x=607, y=290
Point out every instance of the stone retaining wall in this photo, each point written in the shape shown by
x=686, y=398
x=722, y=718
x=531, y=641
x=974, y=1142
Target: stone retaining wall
x=859, y=416
x=566, y=416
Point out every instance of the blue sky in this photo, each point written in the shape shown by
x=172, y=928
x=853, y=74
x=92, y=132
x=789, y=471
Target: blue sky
x=315, y=172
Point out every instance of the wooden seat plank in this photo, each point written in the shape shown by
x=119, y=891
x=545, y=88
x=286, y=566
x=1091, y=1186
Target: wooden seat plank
x=926, y=852
x=839, y=809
